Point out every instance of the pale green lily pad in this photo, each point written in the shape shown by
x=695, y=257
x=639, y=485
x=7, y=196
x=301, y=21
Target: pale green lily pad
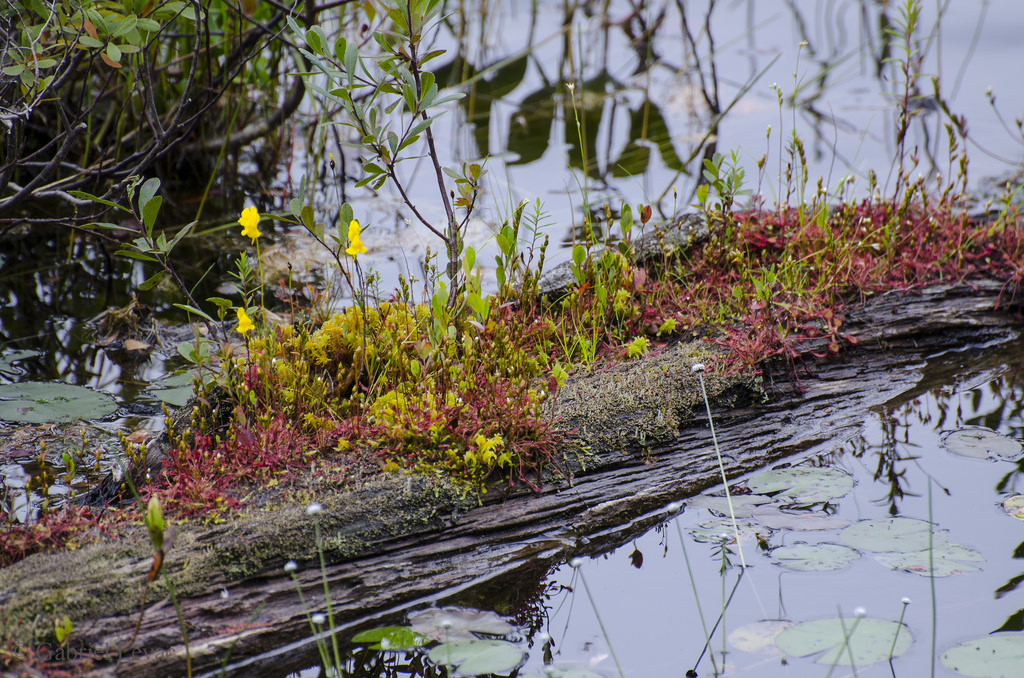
x=175, y=397
x=978, y=442
x=1014, y=506
x=947, y=560
x=478, y=657
x=742, y=504
x=775, y=517
x=880, y=535
x=999, y=656
x=815, y=557
x=391, y=638
x=37, y=402
x=802, y=484
x=868, y=640
x=758, y=636
x=711, y=531
x=448, y=623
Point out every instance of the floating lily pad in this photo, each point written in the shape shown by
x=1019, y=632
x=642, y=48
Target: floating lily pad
x=759, y=636
x=742, y=504
x=775, y=517
x=37, y=402
x=988, y=657
x=1014, y=506
x=175, y=397
x=947, y=559
x=391, y=638
x=868, y=640
x=802, y=484
x=815, y=557
x=978, y=442
x=880, y=535
x=713, y=530
x=478, y=657
x=447, y=623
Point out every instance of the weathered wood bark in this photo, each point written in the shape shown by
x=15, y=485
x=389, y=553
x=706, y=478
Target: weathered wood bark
x=249, y=608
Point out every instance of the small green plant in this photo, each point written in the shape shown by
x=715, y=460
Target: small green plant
x=388, y=100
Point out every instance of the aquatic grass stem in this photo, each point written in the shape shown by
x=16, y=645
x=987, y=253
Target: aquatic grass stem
x=899, y=625
x=314, y=511
x=577, y=563
x=699, y=369
x=931, y=576
x=858, y=615
x=696, y=599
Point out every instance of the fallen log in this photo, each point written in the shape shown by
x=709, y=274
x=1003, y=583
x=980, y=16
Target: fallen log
x=639, y=440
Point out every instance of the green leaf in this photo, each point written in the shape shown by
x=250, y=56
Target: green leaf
x=999, y=656
x=114, y=52
x=391, y=638
x=901, y=535
x=192, y=309
x=802, y=484
x=867, y=640
x=944, y=560
x=308, y=217
x=626, y=220
x=147, y=191
x=185, y=230
x=37, y=402
x=132, y=254
x=978, y=442
x=151, y=281
x=814, y=557
x=478, y=657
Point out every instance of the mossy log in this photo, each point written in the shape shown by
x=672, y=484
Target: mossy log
x=639, y=440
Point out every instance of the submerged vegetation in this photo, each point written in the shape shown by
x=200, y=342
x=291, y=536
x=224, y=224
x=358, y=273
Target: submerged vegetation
x=451, y=376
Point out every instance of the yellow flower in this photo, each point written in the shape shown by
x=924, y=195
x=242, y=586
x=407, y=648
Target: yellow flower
x=244, y=324
x=356, y=245
x=249, y=220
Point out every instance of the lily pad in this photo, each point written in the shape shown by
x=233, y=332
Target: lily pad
x=758, y=636
x=742, y=504
x=391, y=638
x=478, y=657
x=815, y=557
x=713, y=530
x=947, y=559
x=802, y=484
x=978, y=442
x=448, y=623
x=38, y=402
x=880, y=535
x=175, y=397
x=1014, y=506
x=989, y=657
x=868, y=640
x=775, y=517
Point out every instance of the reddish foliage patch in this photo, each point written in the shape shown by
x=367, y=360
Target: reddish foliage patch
x=56, y=530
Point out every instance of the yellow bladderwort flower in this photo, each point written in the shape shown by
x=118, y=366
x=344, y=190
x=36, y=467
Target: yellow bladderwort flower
x=249, y=220
x=356, y=245
x=244, y=323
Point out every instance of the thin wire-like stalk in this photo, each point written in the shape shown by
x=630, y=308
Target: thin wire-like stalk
x=699, y=369
x=597, y=615
x=931, y=577
x=899, y=625
x=696, y=598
